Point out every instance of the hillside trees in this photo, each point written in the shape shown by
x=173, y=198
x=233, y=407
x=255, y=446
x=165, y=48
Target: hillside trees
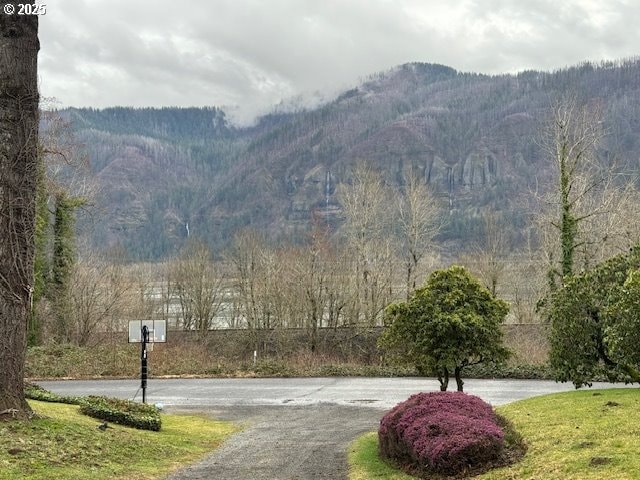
x=453, y=122
x=19, y=101
x=450, y=323
x=163, y=123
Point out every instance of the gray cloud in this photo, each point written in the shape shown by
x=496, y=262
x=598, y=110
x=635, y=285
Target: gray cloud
x=252, y=54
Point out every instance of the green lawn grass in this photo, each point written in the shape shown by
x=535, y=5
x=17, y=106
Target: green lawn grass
x=64, y=444
x=365, y=464
x=578, y=435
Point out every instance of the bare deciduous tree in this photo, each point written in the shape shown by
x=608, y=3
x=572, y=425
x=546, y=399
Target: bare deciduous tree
x=589, y=207
x=198, y=285
x=419, y=212
x=489, y=257
x=574, y=134
x=19, y=100
x=311, y=274
x=64, y=185
x=262, y=301
x=611, y=219
x=367, y=205
x=338, y=293
x=245, y=257
x=97, y=298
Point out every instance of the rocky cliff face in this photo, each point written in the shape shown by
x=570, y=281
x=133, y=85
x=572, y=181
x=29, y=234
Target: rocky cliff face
x=473, y=138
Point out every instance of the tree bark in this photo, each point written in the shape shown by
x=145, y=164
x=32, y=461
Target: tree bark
x=458, y=375
x=19, y=100
x=443, y=378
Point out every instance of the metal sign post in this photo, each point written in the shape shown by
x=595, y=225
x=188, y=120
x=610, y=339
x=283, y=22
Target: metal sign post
x=146, y=332
x=143, y=362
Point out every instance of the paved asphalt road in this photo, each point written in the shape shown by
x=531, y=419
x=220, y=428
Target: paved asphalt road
x=293, y=428
x=380, y=393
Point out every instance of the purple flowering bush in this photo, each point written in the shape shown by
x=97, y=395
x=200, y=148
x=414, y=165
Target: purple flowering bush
x=441, y=432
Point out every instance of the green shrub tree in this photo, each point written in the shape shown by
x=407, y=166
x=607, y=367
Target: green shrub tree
x=594, y=323
x=622, y=333
x=450, y=323
x=63, y=261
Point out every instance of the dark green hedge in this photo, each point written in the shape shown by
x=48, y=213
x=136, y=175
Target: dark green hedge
x=123, y=412
x=522, y=371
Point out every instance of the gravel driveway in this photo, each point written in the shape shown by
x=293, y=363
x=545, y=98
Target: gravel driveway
x=294, y=428
x=284, y=443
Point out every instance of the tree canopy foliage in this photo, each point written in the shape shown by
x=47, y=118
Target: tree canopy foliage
x=594, y=323
x=450, y=323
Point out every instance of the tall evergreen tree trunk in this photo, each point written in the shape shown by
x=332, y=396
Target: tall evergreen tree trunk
x=18, y=179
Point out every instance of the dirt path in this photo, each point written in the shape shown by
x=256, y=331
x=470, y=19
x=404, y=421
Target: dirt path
x=284, y=443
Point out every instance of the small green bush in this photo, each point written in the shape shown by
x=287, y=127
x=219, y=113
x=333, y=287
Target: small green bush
x=520, y=371
x=36, y=392
x=272, y=368
x=337, y=370
x=123, y=412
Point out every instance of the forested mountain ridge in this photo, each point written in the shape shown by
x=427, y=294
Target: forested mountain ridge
x=168, y=173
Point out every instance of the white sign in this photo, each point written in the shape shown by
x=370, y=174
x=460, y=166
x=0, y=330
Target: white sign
x=157, y=331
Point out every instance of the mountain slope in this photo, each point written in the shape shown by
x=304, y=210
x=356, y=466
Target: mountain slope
x=474, y=138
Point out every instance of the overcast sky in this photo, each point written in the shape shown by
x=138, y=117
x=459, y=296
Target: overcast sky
x=248, y=55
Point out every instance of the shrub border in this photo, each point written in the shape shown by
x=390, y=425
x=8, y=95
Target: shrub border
x=122, y=412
